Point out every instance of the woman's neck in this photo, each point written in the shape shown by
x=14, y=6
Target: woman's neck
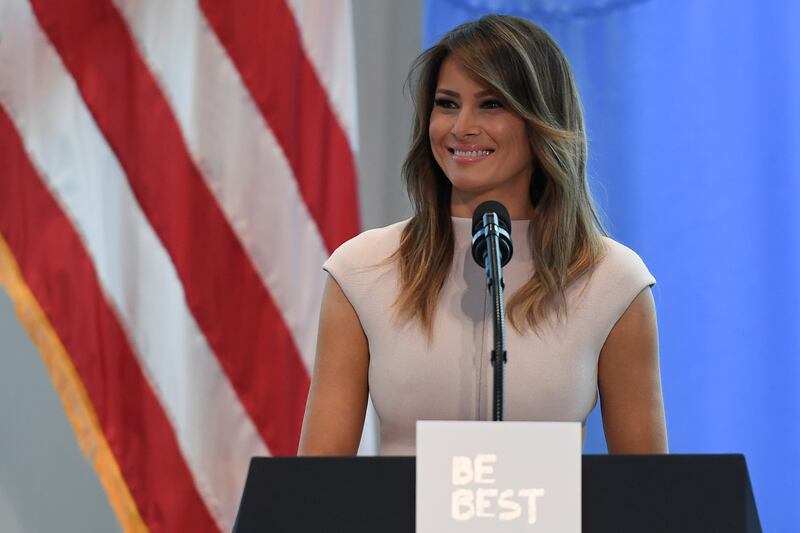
x=463, y=205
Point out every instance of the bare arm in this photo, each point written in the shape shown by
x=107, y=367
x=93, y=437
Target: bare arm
x=630, y=382
x=337, y=400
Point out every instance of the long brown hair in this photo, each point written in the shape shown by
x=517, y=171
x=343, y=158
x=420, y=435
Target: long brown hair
x=528, y=71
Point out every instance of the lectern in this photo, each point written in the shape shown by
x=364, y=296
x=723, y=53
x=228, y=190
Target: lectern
x=621, y=494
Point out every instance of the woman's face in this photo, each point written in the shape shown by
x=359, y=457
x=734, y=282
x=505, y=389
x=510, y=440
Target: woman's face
x=481, y=146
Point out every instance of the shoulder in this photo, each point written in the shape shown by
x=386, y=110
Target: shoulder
x=621, y=265
x=361, y=268
x=614, y=282
x=369, y=248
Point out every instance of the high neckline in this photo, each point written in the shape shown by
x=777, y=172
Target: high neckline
x=469, y=220
x=461, y=222
x=462, y=232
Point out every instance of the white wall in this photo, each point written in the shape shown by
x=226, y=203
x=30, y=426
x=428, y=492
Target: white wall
x=388, y=37
x=45, y=483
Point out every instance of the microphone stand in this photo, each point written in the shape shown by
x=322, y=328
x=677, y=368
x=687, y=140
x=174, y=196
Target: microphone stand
x=494, y=273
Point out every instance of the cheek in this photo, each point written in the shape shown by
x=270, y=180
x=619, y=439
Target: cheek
x=517, y=139
x=436, y=130
x=523, y=147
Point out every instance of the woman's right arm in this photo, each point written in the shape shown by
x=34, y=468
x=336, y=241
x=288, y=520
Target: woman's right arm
x=337, y=400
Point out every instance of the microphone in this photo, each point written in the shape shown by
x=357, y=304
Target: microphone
x=491, y=218
x=492, y=249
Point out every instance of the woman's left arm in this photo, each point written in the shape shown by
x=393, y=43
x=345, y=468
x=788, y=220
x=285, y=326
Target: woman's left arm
x=629, y=380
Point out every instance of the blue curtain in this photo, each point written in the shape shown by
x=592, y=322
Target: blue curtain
x=693, y=114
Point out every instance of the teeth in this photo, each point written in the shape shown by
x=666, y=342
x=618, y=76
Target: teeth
x=472, y=153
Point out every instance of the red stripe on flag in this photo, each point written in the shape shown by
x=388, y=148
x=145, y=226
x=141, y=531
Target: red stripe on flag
x=263, y=40
x=61, y=275
x=223, y=290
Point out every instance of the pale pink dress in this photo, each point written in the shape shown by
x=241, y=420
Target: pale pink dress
x=549, y=376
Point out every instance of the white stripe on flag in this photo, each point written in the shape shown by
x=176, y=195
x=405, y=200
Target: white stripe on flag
x=327, y=33
x=326, y=29
x=238, y=157
x=214, y=433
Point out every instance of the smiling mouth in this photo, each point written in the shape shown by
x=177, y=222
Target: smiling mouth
x=470, y=153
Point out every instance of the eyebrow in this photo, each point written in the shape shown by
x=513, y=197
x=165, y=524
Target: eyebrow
x=479, y=94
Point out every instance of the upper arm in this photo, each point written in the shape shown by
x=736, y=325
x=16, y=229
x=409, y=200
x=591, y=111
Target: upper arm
x=629, y=380
x=337, y=399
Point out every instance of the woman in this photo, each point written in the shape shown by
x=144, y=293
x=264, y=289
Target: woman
x=405, y=313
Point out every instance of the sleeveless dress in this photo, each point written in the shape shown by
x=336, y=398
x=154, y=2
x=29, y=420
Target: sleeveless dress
x=550, y=375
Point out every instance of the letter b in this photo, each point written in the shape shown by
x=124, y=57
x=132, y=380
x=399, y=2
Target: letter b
x=463, y=506
x=462, y=470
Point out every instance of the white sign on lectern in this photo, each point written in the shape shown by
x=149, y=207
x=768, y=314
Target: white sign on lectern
x=499, y=477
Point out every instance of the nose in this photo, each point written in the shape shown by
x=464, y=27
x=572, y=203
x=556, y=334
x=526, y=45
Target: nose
x=465, y=124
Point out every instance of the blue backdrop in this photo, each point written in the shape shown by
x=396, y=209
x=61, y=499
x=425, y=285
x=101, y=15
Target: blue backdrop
x=693, y=113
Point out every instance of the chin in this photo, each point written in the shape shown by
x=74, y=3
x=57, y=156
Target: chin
x=471, y=180
x=472, y=187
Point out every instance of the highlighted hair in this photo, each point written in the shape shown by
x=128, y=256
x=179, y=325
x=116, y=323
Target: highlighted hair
x=528, y=71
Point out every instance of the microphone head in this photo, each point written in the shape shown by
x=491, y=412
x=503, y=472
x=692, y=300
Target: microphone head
x=491, y=206
x=480, y=229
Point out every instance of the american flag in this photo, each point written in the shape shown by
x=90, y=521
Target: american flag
x=172, y=176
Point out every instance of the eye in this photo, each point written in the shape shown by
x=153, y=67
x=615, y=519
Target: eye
x=444, y=103
x=491, y=104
